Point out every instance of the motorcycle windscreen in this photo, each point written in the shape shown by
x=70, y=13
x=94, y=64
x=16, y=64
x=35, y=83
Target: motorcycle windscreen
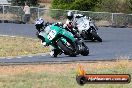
x=83, y=24
x=48, y=34
x=68, y=34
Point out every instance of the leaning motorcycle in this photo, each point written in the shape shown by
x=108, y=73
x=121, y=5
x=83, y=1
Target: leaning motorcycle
x=64, y=41
x=87, y=29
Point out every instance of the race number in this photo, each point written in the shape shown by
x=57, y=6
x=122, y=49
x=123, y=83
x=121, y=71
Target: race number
x=51, y=35
x=84, y=25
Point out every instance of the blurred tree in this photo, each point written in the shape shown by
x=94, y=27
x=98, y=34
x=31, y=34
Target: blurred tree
x=124, y=6
x=130, y=5
x=84, y=5
x=115, y=6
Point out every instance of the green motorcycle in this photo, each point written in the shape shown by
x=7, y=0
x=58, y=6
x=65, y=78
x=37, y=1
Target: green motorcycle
x=64, y=41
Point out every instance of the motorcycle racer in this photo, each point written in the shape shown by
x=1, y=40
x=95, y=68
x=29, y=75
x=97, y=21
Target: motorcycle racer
x=71, y=22
x=71, y=18
x=40, y=25
x=84, y=25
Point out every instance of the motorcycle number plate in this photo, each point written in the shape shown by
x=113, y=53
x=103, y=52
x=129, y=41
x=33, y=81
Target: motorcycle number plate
x=51, y=35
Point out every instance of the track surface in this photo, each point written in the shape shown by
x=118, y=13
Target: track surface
x=117, y=42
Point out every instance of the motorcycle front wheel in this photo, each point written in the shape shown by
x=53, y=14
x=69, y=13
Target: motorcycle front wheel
x=96, y=37
x=85, y=50
x=66, y=49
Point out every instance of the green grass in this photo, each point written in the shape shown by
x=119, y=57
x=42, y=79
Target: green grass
x=51, y=80
x=14, y=46
x=52, y=75
x=64, y=79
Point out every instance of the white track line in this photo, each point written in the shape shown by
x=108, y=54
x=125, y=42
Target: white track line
x=12, y=36
x=21, y=56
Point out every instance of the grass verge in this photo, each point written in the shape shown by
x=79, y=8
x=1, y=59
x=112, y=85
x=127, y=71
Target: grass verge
x=60, y=75
x=15, y=46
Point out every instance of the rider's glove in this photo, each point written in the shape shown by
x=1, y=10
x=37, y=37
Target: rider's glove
x=65, y=25
x=44, y=43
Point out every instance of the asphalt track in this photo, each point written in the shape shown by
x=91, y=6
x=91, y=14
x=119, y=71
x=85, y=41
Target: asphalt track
x=117, y=42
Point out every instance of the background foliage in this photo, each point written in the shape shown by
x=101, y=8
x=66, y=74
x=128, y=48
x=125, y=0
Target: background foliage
x=124, y=6
x=114, y=6
x=74, y=4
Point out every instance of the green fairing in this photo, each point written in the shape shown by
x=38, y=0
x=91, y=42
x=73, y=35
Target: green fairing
x=60, y=31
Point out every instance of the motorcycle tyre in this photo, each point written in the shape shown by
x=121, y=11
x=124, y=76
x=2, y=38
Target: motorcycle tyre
x=66, y=49
x=85, y=50
x=96, y=37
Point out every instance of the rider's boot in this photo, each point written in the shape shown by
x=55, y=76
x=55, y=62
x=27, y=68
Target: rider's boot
x=55, y=52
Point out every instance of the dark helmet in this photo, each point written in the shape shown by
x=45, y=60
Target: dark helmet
x=70, y=15
x=40, y=23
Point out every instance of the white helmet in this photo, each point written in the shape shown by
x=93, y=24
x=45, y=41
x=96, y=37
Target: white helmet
x=70, y=15
x=39, y=23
